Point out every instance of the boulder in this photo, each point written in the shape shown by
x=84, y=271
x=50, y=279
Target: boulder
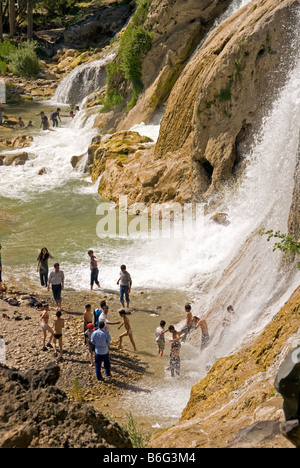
x=36, y=414
x=17, y=159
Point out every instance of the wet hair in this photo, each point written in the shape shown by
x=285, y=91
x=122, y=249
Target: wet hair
x=45, y=305
x=102, y=304
x=58, y=313
x=171, y=328
x=90, y=251
x=162, y=323
x=123, y=267
x=101, y=325
x=195, y=317
x=88, y=306
x=122, y=312
x=187, y=307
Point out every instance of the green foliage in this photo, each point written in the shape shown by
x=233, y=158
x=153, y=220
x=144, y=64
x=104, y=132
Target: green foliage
x=135, y=44
x=138, y=439
x=6, y=48
x=57, y=8
x=225, y=94
x=23, y=60
x=239, y=68
x=287, y=244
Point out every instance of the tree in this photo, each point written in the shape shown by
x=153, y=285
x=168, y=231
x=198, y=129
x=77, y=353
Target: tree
x=287, y=244
x=12, y=18
x=30, y=19
x=1, y=21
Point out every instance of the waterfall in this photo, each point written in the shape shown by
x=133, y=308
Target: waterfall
x=82, y=81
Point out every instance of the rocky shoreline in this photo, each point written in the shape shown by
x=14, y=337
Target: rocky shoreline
x=22, y=335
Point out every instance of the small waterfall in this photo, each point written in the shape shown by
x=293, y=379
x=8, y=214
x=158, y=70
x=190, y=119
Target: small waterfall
x=82, y=81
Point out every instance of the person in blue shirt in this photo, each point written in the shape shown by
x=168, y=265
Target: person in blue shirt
x=101, y=339
x=98, y=312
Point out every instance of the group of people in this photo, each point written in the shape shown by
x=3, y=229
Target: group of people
x=177, y=336
x=55, y=118
x=96, y=322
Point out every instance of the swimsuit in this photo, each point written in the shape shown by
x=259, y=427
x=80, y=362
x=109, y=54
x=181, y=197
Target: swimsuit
x=44, y=326
x=57, y=335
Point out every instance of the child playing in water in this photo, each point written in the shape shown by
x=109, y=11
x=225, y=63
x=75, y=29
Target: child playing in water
x=58, y=325
x=46, y=328
x=128, y=330
x=175, y=351
x=160, y=338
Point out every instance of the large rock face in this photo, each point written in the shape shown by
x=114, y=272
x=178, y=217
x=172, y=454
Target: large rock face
x=177, y=27
x=35, y=414
x=215, y=107
x=236, y=404
x=225, y=90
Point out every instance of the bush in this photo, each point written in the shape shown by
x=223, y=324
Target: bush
x=6, y=48
x=23, y=61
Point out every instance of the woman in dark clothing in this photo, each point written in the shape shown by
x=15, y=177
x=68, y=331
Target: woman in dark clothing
x=42, y=266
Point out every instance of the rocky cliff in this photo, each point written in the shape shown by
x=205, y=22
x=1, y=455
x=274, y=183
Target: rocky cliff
x=238, y=393
x=216, y=105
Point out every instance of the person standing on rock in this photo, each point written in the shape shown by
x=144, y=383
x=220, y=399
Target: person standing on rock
x=125, y=283
x=56, y=280
x=42, y=266
x=58, y=326
x=46, y=328
x=94, y=269
x=101, y=339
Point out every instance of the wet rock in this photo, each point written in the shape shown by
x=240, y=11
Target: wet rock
x=221, y=218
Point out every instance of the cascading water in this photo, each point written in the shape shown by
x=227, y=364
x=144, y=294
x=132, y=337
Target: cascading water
x=82, y=81
x=233, y=265
x=218, y=266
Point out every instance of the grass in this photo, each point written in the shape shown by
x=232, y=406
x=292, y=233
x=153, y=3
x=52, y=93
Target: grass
x=136, y=42
x=138, y=439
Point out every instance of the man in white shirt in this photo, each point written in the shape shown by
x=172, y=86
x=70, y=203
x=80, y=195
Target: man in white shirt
x=56, y=279
x=104, y=318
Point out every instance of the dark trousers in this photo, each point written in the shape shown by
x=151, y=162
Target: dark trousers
x=44, y=278
x=56, y=290
x=94, y=276
x=99, y=358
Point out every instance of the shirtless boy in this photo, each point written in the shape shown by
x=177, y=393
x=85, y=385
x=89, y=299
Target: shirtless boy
x=58, y=325
x=46, y=328
x=128, y=332
x=188, y=321
x=201, y=322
